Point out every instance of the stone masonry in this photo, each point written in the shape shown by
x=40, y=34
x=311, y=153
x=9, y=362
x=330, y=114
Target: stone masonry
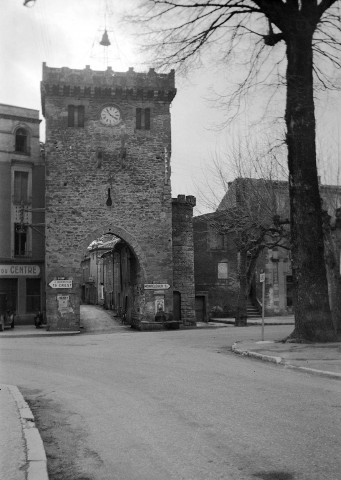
x=102, y=178
x=183, y=255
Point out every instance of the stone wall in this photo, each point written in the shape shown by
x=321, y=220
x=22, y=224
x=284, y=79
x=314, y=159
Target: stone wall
x=183, y=255
x=208, y=253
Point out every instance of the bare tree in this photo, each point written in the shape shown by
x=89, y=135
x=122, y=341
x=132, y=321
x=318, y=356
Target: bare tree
x=310, y=32
x=253, y=210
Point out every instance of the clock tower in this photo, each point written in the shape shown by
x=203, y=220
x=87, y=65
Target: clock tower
x=108, y=147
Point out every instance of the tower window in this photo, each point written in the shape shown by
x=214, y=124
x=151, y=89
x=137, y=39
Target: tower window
x=20, y=187
x=75, y=116
x=143, y=118
x=21, y=143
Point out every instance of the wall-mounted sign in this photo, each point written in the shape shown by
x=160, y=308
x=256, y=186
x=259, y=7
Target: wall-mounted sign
x=61, y=284
x=19, y=270
x=64, y=306
x=156, y=286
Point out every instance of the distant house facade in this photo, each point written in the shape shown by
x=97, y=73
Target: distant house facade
x=216, y=255
x=22, y=200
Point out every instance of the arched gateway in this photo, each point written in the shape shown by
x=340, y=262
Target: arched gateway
x=108, y=142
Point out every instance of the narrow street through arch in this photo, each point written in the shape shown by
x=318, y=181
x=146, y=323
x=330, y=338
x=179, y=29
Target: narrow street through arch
x=95, y=319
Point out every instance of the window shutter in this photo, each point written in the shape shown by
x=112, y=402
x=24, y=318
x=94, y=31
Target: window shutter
x=20, y=187
x=147, y=118
x=138, y=118
x=17, y=187
x=24, y=186
x=81, y=116
x=71, y=116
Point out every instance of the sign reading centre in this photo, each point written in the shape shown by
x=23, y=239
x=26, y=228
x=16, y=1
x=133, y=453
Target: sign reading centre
x=19, y=270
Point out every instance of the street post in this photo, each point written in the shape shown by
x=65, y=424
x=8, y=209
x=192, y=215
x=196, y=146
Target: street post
x=262, y=280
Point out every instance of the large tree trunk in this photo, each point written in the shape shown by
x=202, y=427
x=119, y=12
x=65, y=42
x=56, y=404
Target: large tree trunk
x=312, y=313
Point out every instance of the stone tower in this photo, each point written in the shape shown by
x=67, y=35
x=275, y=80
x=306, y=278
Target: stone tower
x=108, y=141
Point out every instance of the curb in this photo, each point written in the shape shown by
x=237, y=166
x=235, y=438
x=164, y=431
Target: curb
x=260, y=356
x=35, y=452
x=43, y=335
x=314, y=371
x=280, y=361
x=255, y=323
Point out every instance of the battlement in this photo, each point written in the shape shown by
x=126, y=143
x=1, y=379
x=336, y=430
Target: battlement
x=95, y=83
x=185, y=199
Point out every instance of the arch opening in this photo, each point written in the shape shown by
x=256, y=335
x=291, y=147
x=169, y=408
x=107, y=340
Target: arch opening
x=21, y=140
x=113, y=276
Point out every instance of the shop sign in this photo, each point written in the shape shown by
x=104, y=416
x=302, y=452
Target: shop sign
x=156, y=286
x=19, y=270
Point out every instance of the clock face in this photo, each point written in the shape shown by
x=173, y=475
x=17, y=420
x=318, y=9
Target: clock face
x=110, y=116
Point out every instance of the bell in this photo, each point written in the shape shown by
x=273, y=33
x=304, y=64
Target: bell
x=105, y=40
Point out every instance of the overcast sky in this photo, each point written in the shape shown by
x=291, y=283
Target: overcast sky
x=67, y=33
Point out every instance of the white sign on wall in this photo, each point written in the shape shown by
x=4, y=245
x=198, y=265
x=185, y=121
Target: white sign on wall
x=156, y=286
x=61, y=284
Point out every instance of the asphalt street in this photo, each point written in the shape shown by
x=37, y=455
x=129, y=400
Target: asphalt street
x=174, y=405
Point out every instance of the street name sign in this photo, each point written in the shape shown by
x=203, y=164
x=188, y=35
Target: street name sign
x=61, y=284
x=156, y=286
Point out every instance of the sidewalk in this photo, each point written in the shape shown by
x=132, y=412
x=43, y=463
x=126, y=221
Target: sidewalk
x=31, y=331
x=314, y=358
x=282, y=320
x=22, y=450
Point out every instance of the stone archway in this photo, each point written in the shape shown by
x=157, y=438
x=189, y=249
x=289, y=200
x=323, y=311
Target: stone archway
x=127, y=237
x=114, y=273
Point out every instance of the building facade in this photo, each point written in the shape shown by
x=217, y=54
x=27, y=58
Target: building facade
x=108, y=147
x=216, y=254
x=22, y=199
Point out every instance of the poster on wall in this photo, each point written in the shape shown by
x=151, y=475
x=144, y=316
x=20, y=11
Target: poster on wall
x=159, y=304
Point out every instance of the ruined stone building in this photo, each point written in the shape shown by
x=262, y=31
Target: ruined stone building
x=22, y=197
x=108, y=149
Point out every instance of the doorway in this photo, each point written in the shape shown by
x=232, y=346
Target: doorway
x=201, y=308
x=177, y=306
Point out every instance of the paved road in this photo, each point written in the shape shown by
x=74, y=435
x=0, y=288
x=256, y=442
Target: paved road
x=174, y=405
